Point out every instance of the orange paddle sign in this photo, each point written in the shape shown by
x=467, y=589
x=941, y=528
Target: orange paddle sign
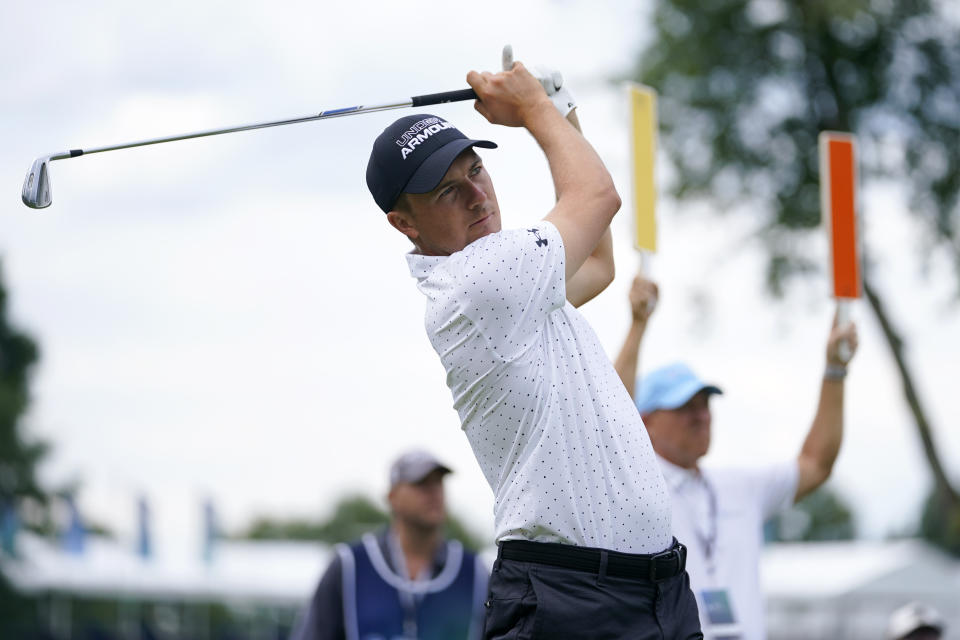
x=838, y=201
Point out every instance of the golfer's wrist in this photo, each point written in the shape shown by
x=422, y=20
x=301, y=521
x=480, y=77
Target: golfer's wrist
x=539, y=113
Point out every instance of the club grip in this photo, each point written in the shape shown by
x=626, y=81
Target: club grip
x=446, y=96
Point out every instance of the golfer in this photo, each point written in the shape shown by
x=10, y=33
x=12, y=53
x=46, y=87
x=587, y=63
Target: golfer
x=582, y=513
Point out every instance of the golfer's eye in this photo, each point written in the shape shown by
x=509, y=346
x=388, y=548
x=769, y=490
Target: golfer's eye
x=446, y=191
x=476, y=169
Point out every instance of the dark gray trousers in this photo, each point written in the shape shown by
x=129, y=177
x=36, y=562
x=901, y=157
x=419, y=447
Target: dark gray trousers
x=528, y=600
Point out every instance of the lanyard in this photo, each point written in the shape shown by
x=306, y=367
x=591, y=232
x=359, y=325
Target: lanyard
x=708, y=538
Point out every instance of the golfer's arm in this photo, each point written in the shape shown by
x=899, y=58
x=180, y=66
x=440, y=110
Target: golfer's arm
x=594, y=275
x=822, y=444
x=586, y=197
x=598, y=269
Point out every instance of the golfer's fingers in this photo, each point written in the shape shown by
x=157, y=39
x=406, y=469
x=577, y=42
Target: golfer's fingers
x=481, y=109
x=476, y=81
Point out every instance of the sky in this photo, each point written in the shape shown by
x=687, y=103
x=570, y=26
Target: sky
x=232, y=319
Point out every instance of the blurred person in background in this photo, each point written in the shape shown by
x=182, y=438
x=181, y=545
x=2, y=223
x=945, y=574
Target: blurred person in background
x=719, y=512
x=406, y=581
x=915, y=621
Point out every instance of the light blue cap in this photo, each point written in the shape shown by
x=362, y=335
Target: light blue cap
x=669, y=387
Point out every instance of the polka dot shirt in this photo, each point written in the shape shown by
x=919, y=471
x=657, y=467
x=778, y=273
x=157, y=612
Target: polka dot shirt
x=555, y=432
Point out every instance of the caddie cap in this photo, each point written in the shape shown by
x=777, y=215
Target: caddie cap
x=412, y=155
x=414, y=466
x=669, y=387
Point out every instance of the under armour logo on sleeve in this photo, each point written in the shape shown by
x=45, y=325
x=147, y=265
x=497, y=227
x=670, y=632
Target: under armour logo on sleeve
x=541, y=242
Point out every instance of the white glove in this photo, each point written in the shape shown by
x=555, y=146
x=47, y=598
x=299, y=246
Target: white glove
x=563, y=101
x=553, y=84
x=551, y=80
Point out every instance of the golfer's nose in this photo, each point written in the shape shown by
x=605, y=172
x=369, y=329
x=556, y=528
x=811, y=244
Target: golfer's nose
x=476, y=195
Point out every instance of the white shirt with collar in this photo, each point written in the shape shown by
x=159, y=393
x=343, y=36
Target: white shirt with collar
x=553, y=428
x=723, y=542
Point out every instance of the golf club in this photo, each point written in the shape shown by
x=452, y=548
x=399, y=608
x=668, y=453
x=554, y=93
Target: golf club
x=36, y=186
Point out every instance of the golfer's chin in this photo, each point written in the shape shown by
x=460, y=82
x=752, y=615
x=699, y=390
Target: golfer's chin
x=484, y=227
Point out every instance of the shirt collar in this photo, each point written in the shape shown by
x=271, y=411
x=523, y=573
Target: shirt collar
x=420, y=266
x=678, y=477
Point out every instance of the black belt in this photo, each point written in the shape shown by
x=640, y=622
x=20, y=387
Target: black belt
x=658, y=566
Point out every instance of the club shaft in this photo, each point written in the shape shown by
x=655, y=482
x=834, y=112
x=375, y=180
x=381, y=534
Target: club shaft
x=416, y=101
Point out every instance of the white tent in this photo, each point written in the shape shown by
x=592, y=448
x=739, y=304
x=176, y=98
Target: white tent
x=282, y=573
x=848, y=589
x=265, y=583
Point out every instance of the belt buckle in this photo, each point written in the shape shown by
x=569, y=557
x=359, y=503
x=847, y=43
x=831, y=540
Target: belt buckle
x=675, y=551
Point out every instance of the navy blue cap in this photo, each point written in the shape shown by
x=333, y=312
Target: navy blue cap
x=669, y=387
x=412, y=155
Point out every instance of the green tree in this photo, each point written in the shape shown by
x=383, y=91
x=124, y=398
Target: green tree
x=352, y=516
x=939, y=524
x=21, y=495
x=747, y=85
x=19, y=456
x=822, y=515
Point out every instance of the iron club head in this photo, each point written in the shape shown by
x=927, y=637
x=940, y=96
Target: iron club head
x=36, y=186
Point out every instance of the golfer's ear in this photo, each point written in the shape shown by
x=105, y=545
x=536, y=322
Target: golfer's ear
x=403, y=222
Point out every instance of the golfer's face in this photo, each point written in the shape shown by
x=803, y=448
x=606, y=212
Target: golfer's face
x=462, y=208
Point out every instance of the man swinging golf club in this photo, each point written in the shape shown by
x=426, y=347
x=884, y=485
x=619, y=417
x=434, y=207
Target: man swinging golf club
x=582, y=514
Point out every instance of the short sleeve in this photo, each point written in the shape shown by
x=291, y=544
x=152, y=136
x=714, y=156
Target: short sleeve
x=511, y=281
x=777, y=485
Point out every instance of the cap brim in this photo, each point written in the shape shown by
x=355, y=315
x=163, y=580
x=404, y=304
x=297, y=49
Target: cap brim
x=429, y=174
x=419, y=477
x=682, y=394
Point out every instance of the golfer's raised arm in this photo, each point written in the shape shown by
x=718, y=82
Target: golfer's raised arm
x=586, y=197
x=599, y=269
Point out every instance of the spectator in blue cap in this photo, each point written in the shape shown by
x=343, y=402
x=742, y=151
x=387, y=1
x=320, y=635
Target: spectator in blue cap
x=719, y=513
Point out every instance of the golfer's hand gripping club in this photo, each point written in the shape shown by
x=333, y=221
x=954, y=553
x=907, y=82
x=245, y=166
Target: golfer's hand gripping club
x=550, y=79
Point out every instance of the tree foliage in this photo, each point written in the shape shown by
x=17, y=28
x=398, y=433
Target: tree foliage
x=352, y=516
x=746, y=87
x=18, y=455
x=939, y=523
x=20, y=492
x=823, y=515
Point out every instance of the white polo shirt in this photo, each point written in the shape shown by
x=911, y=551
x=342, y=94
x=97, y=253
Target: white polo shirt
x=744, y=499
x=553, y=428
